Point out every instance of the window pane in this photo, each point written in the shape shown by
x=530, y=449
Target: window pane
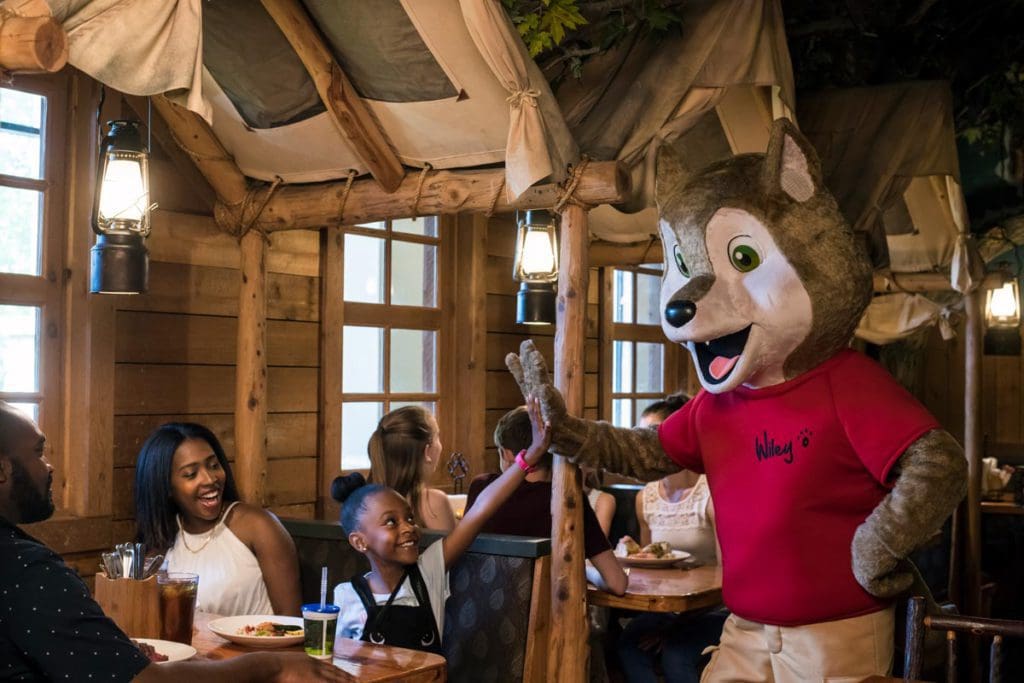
x=622, y=412
x=622, y=367
x=364, y=269
x=30, y=409
x=19, y=348
x=622, y=294
x=358, y=420
x=424, y=225
x=649, y=372
x=362, y=366
x=427, y=405
x=375, y=225
x=413, y=361
x=20, y=230
x=413, y=275
x=21, y=139
x=648, y=299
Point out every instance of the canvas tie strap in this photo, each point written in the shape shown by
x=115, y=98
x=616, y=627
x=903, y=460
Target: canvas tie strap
x=526, y=96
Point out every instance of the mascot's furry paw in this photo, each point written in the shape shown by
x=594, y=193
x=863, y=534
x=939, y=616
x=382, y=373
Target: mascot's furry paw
x=531, y=373
x=876, y=569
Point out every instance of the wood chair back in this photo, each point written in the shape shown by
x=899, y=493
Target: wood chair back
x=918, y=622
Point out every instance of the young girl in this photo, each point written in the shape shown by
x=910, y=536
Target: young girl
x=186, y=506
x=404, y=451
x=401, y=600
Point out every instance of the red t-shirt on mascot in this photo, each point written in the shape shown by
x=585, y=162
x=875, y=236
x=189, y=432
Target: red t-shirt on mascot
x=794, y=469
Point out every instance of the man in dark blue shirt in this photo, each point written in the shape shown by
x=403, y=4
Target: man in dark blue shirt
x=50, y=627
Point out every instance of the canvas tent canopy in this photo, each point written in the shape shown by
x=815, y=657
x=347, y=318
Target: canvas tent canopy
x=889, y=156
x=450, y=84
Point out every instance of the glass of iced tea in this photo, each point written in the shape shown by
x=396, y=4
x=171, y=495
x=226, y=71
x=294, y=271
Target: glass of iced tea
x=177, y=605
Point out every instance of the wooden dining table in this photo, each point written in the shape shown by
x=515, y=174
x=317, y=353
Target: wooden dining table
x=674, y=589
x=365, y=661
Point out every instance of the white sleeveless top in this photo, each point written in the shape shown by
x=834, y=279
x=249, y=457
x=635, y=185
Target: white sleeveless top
x=230, y=580
x=685, y=525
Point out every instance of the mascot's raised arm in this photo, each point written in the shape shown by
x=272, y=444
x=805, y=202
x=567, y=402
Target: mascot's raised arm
x=825, y=473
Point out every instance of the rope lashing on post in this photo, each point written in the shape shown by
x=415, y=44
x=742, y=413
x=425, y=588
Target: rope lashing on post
x=496, y=197
x=344, y=195
x=419, y=190
x=568, y=188
x=247, y=202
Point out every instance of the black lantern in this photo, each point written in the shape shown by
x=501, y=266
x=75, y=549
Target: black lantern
x=536, y=267
x=120, y=213
x=1002, y=320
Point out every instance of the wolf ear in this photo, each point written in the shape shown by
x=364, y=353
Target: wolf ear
x=670, y=173
x=791, y=165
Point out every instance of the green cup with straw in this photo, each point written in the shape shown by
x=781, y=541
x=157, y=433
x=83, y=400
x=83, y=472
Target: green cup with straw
x=319, y=623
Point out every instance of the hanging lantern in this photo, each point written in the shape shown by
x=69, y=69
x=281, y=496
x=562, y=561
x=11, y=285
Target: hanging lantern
x=1002, y=320
x=120, y=214
x=536, y=268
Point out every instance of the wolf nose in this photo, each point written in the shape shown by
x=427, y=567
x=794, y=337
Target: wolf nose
x=678, y=313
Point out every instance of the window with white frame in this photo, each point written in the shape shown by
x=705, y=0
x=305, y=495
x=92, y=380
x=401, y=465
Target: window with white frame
x=392, y=326
x=31, y=274
x=643, y=365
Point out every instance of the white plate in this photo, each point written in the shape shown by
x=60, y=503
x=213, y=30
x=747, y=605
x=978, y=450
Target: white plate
x=228, y=627
x=667, y=561
x=175, y=652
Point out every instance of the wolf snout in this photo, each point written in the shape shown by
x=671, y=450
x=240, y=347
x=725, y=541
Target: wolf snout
x=680, y=312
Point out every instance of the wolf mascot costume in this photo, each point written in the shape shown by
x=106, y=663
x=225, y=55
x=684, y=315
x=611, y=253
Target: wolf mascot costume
x=825, y=473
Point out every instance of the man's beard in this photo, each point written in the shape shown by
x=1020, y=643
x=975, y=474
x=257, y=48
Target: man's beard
x=32, y=506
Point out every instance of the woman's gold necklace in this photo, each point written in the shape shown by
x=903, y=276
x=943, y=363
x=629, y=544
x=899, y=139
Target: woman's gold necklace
x=206, y=541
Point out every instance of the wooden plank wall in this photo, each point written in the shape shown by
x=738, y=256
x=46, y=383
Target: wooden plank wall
x=175, y=355
x=1002, y=407
x=504, y=335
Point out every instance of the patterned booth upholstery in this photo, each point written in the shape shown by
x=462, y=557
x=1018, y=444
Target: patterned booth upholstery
x=496, y=619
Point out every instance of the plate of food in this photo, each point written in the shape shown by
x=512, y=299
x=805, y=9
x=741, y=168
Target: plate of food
x=259, y=630
x=163, y=651
x=629, y=553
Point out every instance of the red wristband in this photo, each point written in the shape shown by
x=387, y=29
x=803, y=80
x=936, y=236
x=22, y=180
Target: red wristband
x=521, y=461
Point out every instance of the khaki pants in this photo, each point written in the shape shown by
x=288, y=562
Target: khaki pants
x=834, y=651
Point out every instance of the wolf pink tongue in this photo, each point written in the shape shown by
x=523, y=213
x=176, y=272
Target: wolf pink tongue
x=721, y=366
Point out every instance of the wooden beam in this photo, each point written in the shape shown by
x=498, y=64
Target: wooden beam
x=30, y=39
x=332, y=322
x=606, y=253
x=196, y=139
x=926, y=282
x=344, y=106
x=470, y=321
x=568, y=654
x=305, y=207
x=251, y=372
x=183, y=163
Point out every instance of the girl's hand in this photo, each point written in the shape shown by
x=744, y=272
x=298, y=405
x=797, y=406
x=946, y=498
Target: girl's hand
x=541, y=431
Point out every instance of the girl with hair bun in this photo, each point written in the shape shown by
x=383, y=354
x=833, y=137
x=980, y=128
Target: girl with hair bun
x=401, y=600
x=404, y=451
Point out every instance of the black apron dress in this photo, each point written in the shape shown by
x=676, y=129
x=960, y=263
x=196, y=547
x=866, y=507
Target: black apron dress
x=406, y=626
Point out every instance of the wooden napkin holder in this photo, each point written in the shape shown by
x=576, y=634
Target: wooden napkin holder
x=133, y=604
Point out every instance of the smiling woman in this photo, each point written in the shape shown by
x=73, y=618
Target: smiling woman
x=187, y=506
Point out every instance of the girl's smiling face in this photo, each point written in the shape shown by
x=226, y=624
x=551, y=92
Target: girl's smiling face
x=197, y=482
x=387, y=531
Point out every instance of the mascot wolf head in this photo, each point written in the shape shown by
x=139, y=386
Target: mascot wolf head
x=763, y=279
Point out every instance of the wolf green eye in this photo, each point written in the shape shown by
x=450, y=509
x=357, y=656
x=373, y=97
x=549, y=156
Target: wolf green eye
x=680, y=263
x=743, y=257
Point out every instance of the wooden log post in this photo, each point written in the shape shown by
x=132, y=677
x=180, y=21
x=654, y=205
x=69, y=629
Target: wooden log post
x=251, y=372
x=30, y=39
x=971, y=557
x=568, y=654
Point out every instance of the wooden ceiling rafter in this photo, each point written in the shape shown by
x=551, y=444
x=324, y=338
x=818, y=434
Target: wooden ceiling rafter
x=31, y=40
x=346, y=109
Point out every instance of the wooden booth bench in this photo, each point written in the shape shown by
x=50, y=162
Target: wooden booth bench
x=497, y=618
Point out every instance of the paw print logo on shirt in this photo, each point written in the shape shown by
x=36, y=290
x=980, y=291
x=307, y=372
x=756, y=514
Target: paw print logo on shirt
x=805, y=437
